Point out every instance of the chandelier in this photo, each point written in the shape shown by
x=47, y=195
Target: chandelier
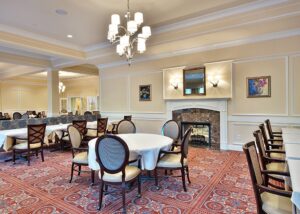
x=129, y=36
x=61, y=87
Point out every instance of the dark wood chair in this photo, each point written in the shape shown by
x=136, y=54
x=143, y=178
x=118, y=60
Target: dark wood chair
x=128, y=117
x=99, y=131
x=175, y=160
x=171, y=129
x=270, y=163
x=268, y=200
x=271, y=143
x=272, y=135
x=17, y=115
x=112, y=155
x=79, y=154
x=125, y=127
x=33, y=143
x=80, y=125
x=97, y=113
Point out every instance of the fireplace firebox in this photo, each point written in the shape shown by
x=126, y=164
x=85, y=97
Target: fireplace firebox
x=201, y=132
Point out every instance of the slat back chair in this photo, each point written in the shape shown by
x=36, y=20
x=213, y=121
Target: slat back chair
x=272, y=134
x=125, y=127
x=274, y=143
x=268, y=200
x=81, y=126
x=112, y=154
x=101, y=125
x=34, y=141
x=268, y=162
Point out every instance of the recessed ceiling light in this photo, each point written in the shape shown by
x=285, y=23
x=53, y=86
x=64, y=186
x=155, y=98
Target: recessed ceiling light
x=61, y=12
x=70, y=36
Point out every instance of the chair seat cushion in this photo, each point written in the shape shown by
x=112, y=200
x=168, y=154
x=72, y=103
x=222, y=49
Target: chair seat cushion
x=130, y=173
x=277, y=167
x=171, y=161
x=275, y=204
x=81, y=158
x=23, y=146
x=277, y=155
x=66, y=138
x=93, y=133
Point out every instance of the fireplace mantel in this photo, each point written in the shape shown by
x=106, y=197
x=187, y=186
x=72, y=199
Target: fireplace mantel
x=211, y=104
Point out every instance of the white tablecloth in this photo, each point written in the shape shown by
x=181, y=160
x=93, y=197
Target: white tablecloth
x=146, y=145
x=6, y=136
x=291, y=140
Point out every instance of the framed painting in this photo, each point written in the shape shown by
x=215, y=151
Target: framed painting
x=259, y=86
x=145, y=92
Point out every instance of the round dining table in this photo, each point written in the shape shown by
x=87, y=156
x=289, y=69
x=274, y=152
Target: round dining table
x=145, y=145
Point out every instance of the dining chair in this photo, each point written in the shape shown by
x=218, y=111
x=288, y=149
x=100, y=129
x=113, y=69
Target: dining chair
x=271, y=143
x=272, y=135
x=112, y=154
x=128, y=117
x=33, y=143
x=125, y=127
x=99, y=130
x=175, y=160
x=171, y=129
x=17, y=115
x=25, y=116
x=80, y=125
x=97, y=113
x=79, y=154
x=268, y=200
x=87, y=113
x=270, y=163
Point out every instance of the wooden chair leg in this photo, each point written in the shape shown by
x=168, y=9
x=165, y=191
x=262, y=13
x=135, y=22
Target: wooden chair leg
x=14, y=156
x=36, y=153
x=156, y=179
x=42, y=154
x=183, y=179
x=72, y=169
x=123, y=196
x=100, y=195
x=93, y=176
x=79, y=169
x=28, y=157
x=139, y=186
x=188, y=174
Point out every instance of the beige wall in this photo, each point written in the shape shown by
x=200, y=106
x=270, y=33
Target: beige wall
x=23, y=94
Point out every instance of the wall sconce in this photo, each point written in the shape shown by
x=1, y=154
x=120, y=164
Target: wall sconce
x=214, y=83
x=175, y=85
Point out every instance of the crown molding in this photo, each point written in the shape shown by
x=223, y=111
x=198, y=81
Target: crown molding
x=249, y=40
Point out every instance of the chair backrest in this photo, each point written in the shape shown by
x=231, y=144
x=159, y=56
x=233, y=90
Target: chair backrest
x=128, y=117
x=80, y=125
x=25, y=116
x=36, y=133
x=264, y=134
x=17, y=115
x=112, y=154
x=102, y=125
x=6, y=115
x=185, y=143
x=1, y=114
x=87, y=113
x=171, y=129
x=255, y=170
x=269, y=128
x=96, y=112
x=126, y=127
x=260, y=144
x=75, y=136
x=43, y=114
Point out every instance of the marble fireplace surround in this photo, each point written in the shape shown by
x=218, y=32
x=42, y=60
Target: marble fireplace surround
x=219, y=105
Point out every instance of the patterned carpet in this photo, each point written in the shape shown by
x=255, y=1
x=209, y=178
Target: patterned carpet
x=220, y=184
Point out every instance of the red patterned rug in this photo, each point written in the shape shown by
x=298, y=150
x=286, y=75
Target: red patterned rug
x=220, y=184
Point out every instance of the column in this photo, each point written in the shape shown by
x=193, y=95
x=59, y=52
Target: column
x=53, y=93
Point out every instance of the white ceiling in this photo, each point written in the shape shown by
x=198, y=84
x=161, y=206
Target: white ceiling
x=88, y=20
x=33, y=35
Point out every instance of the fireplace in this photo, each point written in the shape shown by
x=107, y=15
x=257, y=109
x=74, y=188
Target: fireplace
x=201, y=133
x=213, y=112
